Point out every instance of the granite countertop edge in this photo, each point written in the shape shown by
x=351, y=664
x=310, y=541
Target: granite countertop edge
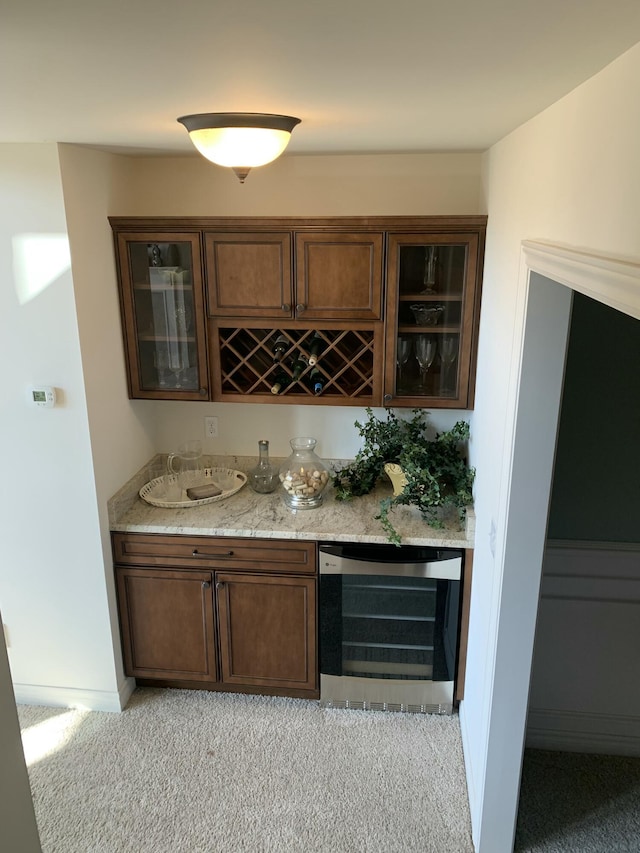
x=256, y=516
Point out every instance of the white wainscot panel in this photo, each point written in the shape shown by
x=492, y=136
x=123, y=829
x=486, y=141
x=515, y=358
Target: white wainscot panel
x=585, y=686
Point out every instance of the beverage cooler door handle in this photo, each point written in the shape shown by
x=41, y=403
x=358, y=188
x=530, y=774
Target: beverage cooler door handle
x=331, y=564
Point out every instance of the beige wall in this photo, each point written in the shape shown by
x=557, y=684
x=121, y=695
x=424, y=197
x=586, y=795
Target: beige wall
x=122, y=432
x=297, y=185
x=52, y=572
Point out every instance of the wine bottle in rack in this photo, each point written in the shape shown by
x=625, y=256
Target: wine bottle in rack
x=316, y=381
x=315, y=348
x=300, y=364
x=280, y=382
x=279, y=348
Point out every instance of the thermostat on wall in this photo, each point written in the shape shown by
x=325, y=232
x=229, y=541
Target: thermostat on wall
x=44, y=396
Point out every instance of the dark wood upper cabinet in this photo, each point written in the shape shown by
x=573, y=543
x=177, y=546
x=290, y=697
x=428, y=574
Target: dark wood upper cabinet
x=249, y=274
x=433, y=304
x=393, y=303
x=162, y=307
x=339, y=276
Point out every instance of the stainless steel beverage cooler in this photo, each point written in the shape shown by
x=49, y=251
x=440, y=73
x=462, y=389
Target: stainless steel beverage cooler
x=389, y=626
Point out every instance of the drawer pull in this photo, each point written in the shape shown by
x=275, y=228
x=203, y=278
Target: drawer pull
x=196, y=553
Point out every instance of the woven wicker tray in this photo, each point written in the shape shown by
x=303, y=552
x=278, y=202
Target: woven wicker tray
x=228, y=479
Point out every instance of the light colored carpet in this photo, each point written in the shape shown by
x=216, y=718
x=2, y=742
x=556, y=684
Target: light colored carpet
x=197, y=772
x=578, y=803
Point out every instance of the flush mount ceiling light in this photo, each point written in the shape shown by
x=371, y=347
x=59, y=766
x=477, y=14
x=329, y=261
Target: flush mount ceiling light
x=240, y=140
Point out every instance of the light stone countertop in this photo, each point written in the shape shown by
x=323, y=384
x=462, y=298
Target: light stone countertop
x=248, y=514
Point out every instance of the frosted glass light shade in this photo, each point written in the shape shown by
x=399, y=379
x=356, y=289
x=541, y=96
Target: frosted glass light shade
x=240, y=141
x=246, y=146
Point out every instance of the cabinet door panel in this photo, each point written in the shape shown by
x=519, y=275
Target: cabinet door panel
x=267, y=630
x=162, y=303
x=339, y=276
x=249, y=275
x=433, y=301
x=167, y=623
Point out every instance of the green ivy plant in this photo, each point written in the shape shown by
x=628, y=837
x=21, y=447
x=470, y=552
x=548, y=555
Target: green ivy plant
x=436, y=469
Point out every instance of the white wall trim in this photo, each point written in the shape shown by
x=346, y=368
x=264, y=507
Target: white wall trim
x=576, y=731
x=69, y=697
x=525, y=488
x=612, y=281
x=472, y=794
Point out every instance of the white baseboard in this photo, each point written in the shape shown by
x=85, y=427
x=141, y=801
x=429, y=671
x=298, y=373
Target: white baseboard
x=475, y=806
x=577, y=731
x=69, y=697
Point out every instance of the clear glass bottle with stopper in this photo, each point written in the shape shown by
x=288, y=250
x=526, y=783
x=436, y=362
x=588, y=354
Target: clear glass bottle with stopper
x=264, y=477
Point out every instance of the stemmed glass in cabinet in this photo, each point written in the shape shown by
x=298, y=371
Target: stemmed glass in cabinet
x=448, y=356
x=426, y=349
x=403, y=351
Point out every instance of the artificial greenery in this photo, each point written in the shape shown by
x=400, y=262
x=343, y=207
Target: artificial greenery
x=437, y=473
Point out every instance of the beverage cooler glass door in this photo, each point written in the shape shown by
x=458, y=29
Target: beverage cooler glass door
x=389, y=630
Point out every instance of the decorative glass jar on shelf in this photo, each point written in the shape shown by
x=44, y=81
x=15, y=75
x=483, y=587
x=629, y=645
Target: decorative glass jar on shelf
x=303, y=475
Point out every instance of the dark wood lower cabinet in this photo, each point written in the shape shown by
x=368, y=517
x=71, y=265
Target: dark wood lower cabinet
x=267, y=630
x=246, y=627
x=168, y=625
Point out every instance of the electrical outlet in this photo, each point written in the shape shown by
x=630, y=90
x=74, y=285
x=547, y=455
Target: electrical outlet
x=211, y=427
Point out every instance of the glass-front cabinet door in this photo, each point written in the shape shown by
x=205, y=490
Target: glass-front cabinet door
x=163, y=315
x=432, y=301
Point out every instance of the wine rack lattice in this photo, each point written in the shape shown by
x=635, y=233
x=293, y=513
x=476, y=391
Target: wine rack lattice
x=344, y=368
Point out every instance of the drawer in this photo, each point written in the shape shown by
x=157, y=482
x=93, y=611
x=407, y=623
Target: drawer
x=267, y=555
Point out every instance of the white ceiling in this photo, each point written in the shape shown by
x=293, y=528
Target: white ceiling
x=363, y=75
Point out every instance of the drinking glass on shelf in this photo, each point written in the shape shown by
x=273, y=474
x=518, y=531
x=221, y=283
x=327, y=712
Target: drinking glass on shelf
x=178, y=361
x=161, y=364
x=403, y=352
x=426, y=348
x=448, y=356
x=430, y=262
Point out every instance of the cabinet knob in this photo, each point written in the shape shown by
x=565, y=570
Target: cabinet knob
x=300, y=308
x=206, y=584
x=286, y=307
x=203, y=392
x=220, y=585
x=388, y=398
